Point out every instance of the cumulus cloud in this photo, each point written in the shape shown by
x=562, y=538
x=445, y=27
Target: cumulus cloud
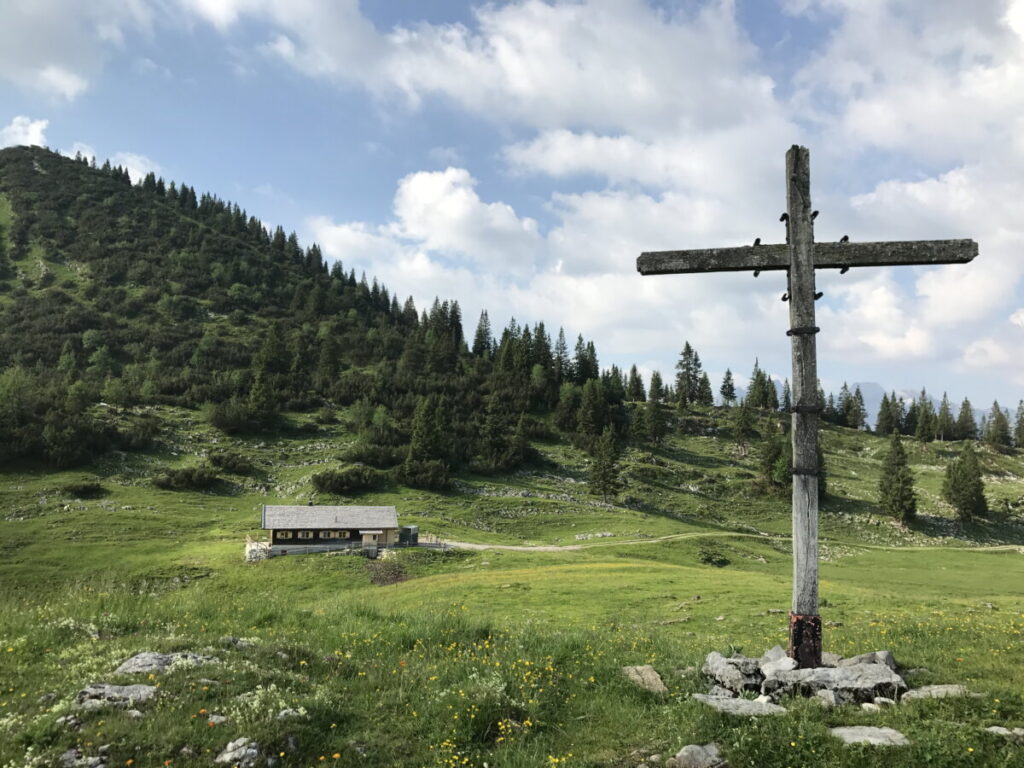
x=24, y=130
x=137, y=165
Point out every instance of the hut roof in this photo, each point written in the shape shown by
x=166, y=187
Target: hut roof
x=329, y=517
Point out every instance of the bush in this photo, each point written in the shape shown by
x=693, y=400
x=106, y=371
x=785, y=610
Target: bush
x=429, y=474
x=384, y=572
x=186, y=479
x=357, y=477
x=232, y=462
x=711, y=556
x=229, y=416
x=375, y=455
x=138, y=433
x=84, y=489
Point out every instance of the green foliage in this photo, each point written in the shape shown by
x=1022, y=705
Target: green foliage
x=84, y=489
x=232, y=462
x=997, y=429
x=603, y=478
x=712, y=556
x=380, y=456
x=896, y=484
x=963, y=487
x=350, y=479
x=186, y=479
x=429, y=474
x=728, y=389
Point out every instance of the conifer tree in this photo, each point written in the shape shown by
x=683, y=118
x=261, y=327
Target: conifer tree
x=997, y=431
x=603, y=478
x=593, y=413
x=1018, y=428
x=262, y=403
x=704, y=394
x=896, y=485
x=884, y=423
x=945, y=427
x=728, y=389
x=966, y=426
x=483, y=339
x=743, y=427
x=786, y=405
x=925, y=431
x=656, y=417
x=909, y=422
x=963, y=486
x=635, y=386
x=687, y=376
x=562, y=364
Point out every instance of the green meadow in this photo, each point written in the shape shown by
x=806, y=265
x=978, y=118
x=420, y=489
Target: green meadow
x=502, y=656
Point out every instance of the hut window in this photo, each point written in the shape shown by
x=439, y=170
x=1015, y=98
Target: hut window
x=305, y=534
x=328, y=535
x=284, y=534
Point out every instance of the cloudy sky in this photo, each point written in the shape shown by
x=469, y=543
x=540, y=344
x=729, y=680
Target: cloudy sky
x=518, y=156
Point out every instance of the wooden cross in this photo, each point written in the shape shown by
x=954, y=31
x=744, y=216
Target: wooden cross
x=800, y=256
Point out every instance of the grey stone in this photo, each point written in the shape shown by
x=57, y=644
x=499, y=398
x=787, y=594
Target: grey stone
x=771, y=668
x=741, y=707
x=717, y=690
x=827, y=698
x=655, y=758
x=242, y=752
x=764, y=698
x=103, y=694
x=240, y=643
x=645, y=677
x=69, y=759
x=857, y=682
x=70, y=722
x=916, y=671
x=773, y=654
x=287, y=714
x=151, y=661
x=738, y=673
x=829, y=659
x=867, y=734
x=870, y=706
x=134, y=714
x=935, y=692
x=1015, y=735
x=875, y=657
x=217, y=719
x=884, y=701
x=698, y=756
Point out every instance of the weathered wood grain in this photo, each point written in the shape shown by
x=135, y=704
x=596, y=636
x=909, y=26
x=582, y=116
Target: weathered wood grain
x=826, y=256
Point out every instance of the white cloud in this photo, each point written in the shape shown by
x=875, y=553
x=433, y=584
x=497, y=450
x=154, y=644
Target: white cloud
x=57, y=81
x=137, y=165
x=80, y=148
x=24, y=130
x=1017, y=318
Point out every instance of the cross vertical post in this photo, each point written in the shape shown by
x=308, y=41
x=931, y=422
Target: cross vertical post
x=804, y=621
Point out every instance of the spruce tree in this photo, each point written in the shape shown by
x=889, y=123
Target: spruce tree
x=997, y=431
x=945, y=427
x=603, y=478
x=966, y=426
x=925, y=431
x=1018, y=428
x=786, y=406
x=884, y=423
x=963, y=486
x=728, y=389
x=483, y=339
x=635, y=387
x=656, y=417
x=896, y=486
x=704, y=394
x=686, y=376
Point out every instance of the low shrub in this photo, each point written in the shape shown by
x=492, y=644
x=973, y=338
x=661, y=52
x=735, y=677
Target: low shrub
x=84, y=489
x=229, y=416
x=430, y=475
x=381, y=456
x=357, y=477
x=384, y=572
x=186, y=479
x=232, y=462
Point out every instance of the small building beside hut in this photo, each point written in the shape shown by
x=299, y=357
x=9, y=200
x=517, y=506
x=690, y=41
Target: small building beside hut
x=322, y=529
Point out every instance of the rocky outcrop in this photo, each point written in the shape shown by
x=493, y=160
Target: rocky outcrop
x=856, y=682
x=697, y=756
x=101, y=695
x=243, y=753
x=645, y=677
x=737, y=673
x=740, y=707
x=867, y=734
x=936, y=692
x=153, y=662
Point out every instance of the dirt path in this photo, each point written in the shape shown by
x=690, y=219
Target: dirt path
x=611, y=541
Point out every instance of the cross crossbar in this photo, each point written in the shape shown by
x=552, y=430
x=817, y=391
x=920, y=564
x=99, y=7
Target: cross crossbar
x=826, y=256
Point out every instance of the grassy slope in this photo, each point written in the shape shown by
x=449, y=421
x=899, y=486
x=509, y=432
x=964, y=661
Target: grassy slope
x=433, y=670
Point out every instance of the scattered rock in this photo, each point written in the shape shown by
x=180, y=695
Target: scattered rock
x=858, y=682
x=697, y=756
x=134, y=714
x=187, y=751
x=764, y=699
x=738, y=673
x=645, y=677
x=717, y=690
x=867, y=734
x=240, y=643
x=829, y=659
x=936, y=692
x=46, y=698
x=151, y=661
x=719, y=618
x=884, y=701
x=103, y=694
x=771, y=668
x=217, y=719
x=875, y=657
x=870, y=706
x=286, y=714
x=741, y=707
x=828, y=699
x=1016, y=735
x=69, y=722
x=241, y=752
x=772, y=654
x=695, y=598
x=70, y=758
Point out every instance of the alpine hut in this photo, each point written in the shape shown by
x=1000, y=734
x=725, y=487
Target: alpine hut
x=321, y=529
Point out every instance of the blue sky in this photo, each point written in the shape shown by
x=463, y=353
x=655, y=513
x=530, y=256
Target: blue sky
x=518, y=156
